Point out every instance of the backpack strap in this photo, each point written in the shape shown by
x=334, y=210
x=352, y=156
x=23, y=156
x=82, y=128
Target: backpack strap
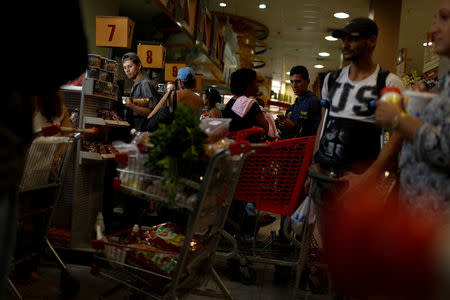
x=381, y=80
x=333, y=77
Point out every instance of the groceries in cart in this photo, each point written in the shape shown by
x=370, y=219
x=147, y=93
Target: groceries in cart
x=153, y=248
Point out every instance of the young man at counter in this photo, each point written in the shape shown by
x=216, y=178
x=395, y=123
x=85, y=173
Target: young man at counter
x=303, y=117
x=142, y=88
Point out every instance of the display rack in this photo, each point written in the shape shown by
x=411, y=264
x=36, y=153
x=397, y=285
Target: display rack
x=84, y=183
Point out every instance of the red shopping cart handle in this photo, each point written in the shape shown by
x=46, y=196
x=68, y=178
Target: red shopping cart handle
x=121, y=157
x=243, y=134
x=55, y=129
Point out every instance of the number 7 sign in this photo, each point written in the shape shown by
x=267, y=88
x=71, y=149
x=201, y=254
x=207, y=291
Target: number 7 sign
x=114, y=32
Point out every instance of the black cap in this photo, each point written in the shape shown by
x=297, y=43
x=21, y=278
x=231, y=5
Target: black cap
x=131, y=56
x=359, y=27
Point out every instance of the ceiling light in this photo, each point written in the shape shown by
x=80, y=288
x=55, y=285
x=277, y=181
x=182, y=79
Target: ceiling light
x=288, y=73
x=318, y=66
x=430, y=43
x=222, y=4
x=288, y=81
x=330, y=38
x=341, y=15
x=262, y=6
x=425, y=44
x=324, y=54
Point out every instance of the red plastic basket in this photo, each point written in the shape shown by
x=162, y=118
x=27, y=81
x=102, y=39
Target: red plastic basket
x=273, y=177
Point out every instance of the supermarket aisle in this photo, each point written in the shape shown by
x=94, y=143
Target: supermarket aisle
x=47, y=287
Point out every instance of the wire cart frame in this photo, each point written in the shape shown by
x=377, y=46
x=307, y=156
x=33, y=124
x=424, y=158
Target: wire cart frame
x=208, y=207
x=44, y=169
x=273, y=179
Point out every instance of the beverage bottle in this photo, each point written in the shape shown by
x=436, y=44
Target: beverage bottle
x=392, y=95
x=134, y=235
x=99, y=226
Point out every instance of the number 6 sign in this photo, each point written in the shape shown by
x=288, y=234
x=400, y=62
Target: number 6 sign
x=114, y=32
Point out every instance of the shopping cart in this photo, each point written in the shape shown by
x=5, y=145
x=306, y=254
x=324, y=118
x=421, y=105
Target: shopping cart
x=173, y=272
x=38, y=191
x=272, y=179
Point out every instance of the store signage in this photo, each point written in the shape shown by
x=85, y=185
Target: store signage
x=186, y=16
x=205, y=25
x=114, y=32
x=171, y=71
x=152, y=56
x=168, y=6
x=198, y=83
x=218, y=48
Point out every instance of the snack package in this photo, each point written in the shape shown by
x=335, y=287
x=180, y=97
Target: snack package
x=166, y=236
x=211, y=149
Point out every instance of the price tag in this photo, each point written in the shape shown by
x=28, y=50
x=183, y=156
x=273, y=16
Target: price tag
x=171, y=71
x=114, y=32
x=152, y=56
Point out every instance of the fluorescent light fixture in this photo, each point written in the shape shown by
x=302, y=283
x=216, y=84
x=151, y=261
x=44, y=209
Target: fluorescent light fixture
x=276, y=83
x=318, y=66
x=330, y=38
x=222, y=4
x=341, y=15
x=288, y=81
x=288, y=73
x=262, y=6
x=324, y=54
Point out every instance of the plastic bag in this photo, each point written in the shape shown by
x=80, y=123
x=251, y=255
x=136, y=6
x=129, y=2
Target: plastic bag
x=215, y=128
x=300, y=214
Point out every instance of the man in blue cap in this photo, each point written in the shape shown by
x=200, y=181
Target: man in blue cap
x=185, y=83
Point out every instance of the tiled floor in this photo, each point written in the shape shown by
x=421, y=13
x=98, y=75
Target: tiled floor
x=92, y=287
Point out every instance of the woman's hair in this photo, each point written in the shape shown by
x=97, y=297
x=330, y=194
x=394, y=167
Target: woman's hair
x=240, y=80
x=213, y=96
x=50, y=106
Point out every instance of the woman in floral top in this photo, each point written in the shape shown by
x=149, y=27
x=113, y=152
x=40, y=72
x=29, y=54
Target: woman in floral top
x=425, y=157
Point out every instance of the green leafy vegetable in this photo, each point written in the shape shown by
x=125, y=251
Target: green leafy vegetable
x=178, y=150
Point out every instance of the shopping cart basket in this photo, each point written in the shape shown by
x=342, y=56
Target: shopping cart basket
x=39, y=190
x=174, y=272
x=272, y=179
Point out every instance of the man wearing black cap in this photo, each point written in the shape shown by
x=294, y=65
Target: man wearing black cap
x=142, y=88
x=349, y=142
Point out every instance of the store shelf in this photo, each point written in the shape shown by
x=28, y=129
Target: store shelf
x=102, y=122
x=96, y=156
x=73, y=88
x=101, y=89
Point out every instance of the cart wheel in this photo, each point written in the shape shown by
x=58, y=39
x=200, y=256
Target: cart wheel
x=248, y=275
x=68, y=284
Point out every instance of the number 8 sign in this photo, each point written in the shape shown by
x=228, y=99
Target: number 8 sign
x=152, y=56
x=114, y=32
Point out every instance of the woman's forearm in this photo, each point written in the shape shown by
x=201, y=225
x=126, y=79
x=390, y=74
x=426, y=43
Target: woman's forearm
x=407, y=127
